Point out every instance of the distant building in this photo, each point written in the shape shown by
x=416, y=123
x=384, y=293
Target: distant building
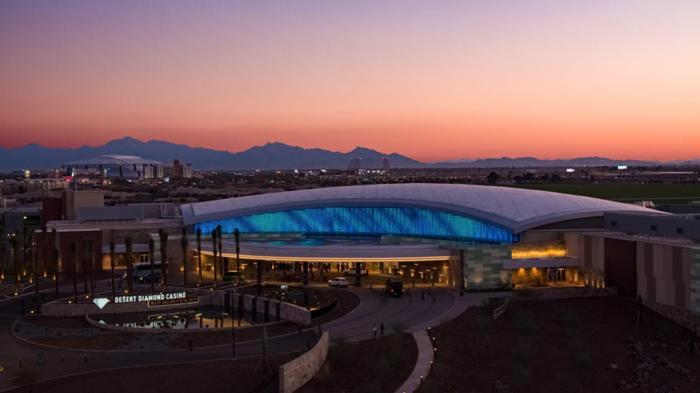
x=181, y=171
x=119, y=166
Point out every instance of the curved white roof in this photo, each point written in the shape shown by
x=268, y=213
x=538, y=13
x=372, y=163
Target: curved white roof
x=112, y=160
x=514, y=208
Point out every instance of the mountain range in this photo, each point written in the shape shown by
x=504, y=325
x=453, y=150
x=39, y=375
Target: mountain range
x=270, y=156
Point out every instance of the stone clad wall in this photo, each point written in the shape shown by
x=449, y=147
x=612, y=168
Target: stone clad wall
x=484, y=267
x=295, y=373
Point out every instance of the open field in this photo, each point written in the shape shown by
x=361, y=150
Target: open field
x=659, y=193
x=573, y=346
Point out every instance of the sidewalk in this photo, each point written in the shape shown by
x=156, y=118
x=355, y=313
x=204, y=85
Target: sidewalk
x=423, y=363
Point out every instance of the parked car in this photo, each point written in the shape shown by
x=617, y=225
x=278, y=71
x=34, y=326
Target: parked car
x=394, y=287
x=338, y=282
x=232, y=276
x=141, y=272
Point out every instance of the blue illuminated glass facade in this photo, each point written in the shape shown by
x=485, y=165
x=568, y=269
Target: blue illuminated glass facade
x=367, y=221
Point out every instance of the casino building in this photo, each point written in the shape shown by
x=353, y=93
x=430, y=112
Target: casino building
x=480, y=237
x=470, y=236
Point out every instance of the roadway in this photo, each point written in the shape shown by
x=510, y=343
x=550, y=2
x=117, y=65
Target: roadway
x=407, y=313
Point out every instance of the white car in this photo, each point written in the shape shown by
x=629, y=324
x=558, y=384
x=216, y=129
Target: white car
x=338, y=282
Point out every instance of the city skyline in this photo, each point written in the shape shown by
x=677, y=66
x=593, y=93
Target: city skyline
x=434, y=82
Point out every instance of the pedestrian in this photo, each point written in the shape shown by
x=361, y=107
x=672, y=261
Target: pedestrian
x=381, y=329
x=422, y=295
x=374, y=330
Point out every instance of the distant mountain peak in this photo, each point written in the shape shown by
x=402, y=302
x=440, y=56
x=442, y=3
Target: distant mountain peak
x=270, y=156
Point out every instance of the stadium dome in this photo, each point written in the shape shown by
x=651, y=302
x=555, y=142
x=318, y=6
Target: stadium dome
x=451, y=211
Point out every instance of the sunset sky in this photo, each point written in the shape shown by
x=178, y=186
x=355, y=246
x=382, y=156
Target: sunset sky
x=430, y=79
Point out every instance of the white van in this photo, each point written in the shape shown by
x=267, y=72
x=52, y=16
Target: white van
x=141, y=272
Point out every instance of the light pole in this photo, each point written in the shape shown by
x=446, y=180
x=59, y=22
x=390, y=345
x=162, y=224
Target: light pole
x=183, y=243
x=112, y=256
x=214, y=253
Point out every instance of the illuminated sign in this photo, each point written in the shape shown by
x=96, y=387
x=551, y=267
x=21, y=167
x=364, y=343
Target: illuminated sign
x=101, y=302
x=155, y=297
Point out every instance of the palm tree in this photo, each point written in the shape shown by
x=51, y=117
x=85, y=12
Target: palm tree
x=237, y=238
x=112, y=260
x=152, y=258
x=129, y=258
x=87, y=245
x=57, y=253
x=74, y=256
x=44, y=248
x=90, y=254
x=213, y=241
x=199, y=253
x=221, y=251
x=183, y=243
x=26, y=249
x=164, y=257
x=2, y=253
x=14, y=244
x=35, y=257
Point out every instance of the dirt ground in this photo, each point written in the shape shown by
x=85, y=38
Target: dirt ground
x=579, y=345
x=240, y=376
x=379, y=365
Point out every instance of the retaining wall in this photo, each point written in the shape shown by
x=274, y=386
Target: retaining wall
x=681, y=316
x=295, y=373
x=62, y=309
x=562, y=293
x=288, y=311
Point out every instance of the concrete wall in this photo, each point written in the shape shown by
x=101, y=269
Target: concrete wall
x=295, y=373
x=288, y=311
x=663, y=274
x=694, y=261
x=590, y=253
